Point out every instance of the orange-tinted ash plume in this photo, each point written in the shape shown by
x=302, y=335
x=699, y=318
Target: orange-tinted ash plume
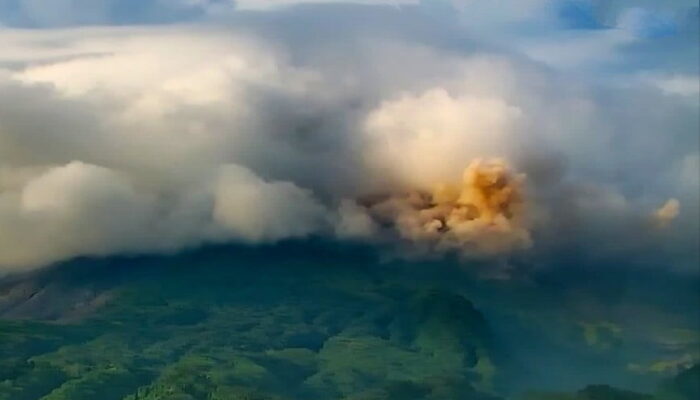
x=485, y=214
x=669, y=211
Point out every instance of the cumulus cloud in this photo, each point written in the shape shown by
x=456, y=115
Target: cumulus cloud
x=83, y=209
x=152, y=139
x=70, y=210
x=254, y=210
x=428, y=138
x=354, y=221
x=682, y=85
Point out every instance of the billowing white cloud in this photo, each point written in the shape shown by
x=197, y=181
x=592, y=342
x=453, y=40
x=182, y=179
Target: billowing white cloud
x=354, y=221
x=424, y=139
x=71, y=210
x=248, y=208
x=682, y=85
x=152, y=139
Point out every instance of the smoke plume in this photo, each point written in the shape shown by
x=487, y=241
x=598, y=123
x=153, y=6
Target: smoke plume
x=665, y=214
x=484, y=214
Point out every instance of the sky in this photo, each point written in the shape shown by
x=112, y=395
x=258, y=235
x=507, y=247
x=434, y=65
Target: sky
x=487, y=129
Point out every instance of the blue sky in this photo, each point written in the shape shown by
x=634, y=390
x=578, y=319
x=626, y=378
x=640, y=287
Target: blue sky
x=645, y=23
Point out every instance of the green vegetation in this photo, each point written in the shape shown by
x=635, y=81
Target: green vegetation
x=593, y=392
x=213, y=336
x=685, y=385
x=215, y=333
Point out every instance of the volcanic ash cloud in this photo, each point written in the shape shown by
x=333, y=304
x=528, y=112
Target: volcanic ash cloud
x=665, y=214
x=484, y=215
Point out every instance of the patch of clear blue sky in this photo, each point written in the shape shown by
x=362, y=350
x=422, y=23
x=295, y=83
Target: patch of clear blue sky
x=572, y=14
x=51, y=13
x=578, y=14
x=641, y=22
